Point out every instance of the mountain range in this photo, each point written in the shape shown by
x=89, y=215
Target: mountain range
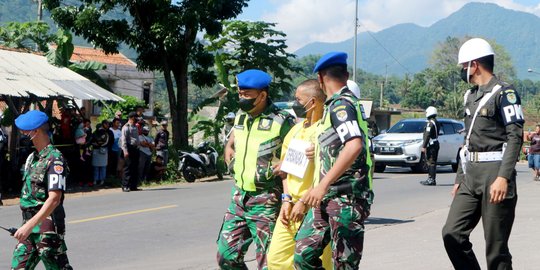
x=411, y=45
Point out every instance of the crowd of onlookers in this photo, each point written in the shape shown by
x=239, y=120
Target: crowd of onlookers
x=94, y=153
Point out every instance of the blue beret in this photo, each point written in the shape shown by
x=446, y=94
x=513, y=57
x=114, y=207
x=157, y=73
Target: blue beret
x=330, y=59
x=253, y=79
x=31, y=120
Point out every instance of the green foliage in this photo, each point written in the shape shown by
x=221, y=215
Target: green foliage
x=163, y=33
x=32, y=36
x=128, y=105
x=246, y=45
x=62, y=54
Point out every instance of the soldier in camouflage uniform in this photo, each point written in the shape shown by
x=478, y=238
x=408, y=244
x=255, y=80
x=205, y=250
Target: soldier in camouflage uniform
x=41, y=237
x=341, y=200
x=255, y=143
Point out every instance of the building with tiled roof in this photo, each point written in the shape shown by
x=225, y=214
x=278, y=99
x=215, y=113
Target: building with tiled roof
x=121, y=75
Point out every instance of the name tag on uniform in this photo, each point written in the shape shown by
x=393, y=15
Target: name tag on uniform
x=295, y=161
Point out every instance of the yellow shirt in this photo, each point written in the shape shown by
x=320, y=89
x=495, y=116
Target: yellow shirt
x=298, y=186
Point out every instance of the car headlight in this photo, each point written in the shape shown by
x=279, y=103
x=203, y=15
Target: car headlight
x=409, y=142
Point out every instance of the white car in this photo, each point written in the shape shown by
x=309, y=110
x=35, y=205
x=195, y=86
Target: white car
x=401, y=145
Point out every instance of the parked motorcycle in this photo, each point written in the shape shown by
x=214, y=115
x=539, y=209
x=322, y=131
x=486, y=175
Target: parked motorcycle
x=199, y=164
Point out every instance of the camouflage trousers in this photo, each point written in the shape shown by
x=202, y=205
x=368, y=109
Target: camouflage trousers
x=50, y=248
x=251, y=217
x=339, y=220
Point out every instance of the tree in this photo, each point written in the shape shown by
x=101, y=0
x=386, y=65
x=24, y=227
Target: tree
x=164, y=34
x=245, y=45
x=61, y=55
x=32, y=36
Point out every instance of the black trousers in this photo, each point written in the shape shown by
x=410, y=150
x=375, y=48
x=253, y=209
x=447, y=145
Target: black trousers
x=471, y=203
x=131, y=169
x=432, y=152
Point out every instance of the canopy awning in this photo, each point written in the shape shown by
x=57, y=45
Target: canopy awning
x=22, y=74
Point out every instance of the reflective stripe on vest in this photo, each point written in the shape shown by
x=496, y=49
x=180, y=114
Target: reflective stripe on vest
x=255, y=148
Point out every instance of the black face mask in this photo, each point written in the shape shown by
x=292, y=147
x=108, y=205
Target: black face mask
x=299, y=109
x=247, y=104
x=464, y=76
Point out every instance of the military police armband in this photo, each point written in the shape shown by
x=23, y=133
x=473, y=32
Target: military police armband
x=511, y=110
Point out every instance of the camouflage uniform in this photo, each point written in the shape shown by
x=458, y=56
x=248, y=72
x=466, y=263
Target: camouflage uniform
x=44, y=171
x=255, y=200
x=346, y=205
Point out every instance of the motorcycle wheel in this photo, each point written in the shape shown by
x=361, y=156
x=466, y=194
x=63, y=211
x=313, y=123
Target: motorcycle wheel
x=188, y=175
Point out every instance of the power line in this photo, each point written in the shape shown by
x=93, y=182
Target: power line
x=384, y=48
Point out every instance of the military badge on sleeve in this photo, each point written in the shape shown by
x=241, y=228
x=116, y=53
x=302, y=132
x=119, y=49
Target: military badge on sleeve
x=341, y=115
x=511, y=110
x=59, y=169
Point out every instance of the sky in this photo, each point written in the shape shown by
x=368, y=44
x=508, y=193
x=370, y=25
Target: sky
x=307, y=21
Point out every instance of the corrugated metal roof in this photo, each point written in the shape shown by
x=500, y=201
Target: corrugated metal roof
x=22, y=74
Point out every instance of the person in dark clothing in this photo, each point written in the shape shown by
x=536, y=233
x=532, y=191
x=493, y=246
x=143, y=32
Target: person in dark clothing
x=162, y=142
x=430, y=147
x=129, y=142
x=485, y=186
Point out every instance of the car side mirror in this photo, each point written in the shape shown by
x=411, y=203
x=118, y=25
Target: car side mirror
x=383, y=131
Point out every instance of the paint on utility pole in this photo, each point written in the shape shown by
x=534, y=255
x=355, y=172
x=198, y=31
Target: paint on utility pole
x=40, y=11
x=355, y=40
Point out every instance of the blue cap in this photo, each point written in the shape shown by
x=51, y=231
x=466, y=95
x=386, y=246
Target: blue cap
x=330, y=59
x=253, y=79
x=31, y=120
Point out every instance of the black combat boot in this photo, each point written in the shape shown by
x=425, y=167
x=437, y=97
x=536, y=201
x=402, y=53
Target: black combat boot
x=429, y=182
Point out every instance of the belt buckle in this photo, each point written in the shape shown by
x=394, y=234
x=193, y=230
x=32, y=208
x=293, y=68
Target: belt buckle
x=474, y=157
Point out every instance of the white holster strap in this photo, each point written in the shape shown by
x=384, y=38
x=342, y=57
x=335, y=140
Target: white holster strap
x=433, y=141
x=485, y=156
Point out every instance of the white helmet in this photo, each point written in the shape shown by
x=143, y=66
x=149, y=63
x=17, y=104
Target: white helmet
x=431, y=111
x=353, y=86
x=473, y=49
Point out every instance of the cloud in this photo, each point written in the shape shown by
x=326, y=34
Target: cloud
x=306, y=21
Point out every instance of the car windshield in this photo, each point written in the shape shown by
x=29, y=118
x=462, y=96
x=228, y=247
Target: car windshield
x=408, y=127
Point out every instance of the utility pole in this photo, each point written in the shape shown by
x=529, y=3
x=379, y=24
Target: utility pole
x=383, y=85
x=355, y=40
x=40, y=11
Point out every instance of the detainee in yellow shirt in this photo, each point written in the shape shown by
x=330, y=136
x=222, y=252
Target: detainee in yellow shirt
x=309, y=104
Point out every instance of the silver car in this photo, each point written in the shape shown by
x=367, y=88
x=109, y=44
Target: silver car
x=401, y=145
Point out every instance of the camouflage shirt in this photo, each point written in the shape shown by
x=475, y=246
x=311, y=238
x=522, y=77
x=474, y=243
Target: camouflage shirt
x=43, y=172
x=342, y=121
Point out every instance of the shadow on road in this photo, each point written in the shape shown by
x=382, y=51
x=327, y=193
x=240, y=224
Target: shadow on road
x=386, y=221
x=165, y=188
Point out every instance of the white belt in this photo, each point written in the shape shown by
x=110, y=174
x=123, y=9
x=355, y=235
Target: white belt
x=432, y=141
x=485, y=156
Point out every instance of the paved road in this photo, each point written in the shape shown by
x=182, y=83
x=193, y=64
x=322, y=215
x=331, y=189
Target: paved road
x=176, y=227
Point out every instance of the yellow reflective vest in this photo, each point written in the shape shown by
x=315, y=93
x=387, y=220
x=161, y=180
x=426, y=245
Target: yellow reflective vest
x=257, y=144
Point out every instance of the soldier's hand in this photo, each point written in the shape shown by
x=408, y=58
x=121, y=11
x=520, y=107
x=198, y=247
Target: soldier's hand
x=229, y=156
x=497, y=190
x=285, y=213
x=276, y=170
x=298, y=212
x=454, y=190
x=23, y=232
x=423, y=150
x=310, y=152
x=315, y=196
